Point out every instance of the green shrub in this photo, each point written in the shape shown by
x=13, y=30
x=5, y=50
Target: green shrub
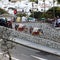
x=36, y=14
x=20, y=14
x=56, y=11
x=2, y=11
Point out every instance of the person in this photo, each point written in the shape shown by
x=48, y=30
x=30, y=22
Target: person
x=54, y=22
x=16, y=26
x=24, y=19
x=31, y=29
x=58, y=21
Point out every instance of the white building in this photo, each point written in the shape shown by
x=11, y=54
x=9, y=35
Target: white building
x=26, y=5
x=45, y=5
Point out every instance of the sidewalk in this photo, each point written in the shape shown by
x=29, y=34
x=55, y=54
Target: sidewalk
x=6, y=57
x=37, y=46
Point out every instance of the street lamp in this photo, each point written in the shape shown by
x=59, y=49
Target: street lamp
x=44, y=8
x=33, y=9
x=53, y=9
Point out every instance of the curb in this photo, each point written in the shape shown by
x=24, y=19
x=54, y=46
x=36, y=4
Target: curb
x=36, y=46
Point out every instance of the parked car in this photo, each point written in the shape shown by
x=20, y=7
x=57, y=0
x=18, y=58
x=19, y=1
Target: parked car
x=5, y=22
x=31, y=19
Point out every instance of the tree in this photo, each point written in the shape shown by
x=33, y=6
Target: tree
x=6, y=44
x=33, y=0
x=37, y=15
x=2, y=11
x=58, y=1
x=33, y=5
x=50, y=11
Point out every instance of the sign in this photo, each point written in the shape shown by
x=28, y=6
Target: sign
x=15, y=11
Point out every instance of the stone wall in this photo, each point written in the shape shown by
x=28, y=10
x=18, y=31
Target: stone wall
x=50, y=38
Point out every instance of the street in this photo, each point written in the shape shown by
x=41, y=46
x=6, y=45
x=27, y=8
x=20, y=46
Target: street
x=20, y=52
x=25, y=53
